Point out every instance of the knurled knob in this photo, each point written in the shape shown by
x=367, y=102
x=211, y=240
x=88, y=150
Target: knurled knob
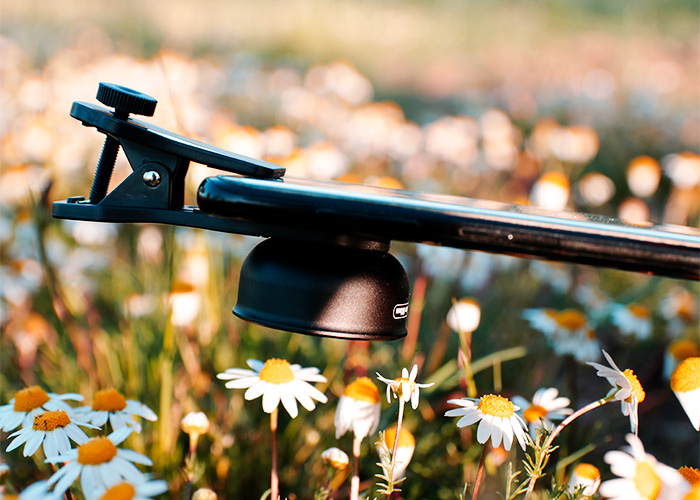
x=125, y=100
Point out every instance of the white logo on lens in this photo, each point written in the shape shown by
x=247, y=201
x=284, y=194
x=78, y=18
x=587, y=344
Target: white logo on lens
x=400, y=311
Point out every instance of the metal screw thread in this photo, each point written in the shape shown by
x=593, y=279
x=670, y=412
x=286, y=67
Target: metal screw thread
x=103, y=174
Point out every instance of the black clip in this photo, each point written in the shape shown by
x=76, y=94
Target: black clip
x=160, y=160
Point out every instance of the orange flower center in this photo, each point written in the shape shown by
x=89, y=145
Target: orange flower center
x=496, y=406
x=686, y=376
x=108, y=400
x=50, y=420
x=684, y=348
x=638, y=311
x=30, y=398
x=363, y=389
x=646, y=481
x=534, y=413
x=587, y=471
x=96, y=451
x=121, y=491
x=276, y=371
x=571, y=319
x=406, y=439
x=637, y=389
x=691, y=475
x=397, y=386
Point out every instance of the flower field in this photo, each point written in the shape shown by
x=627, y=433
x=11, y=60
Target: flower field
x=123, y=373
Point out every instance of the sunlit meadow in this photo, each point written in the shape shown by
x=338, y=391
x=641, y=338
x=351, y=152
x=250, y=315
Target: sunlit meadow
x=518, y=378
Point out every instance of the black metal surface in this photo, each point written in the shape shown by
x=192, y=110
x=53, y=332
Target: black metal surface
x=331, y=291
x=458, y=222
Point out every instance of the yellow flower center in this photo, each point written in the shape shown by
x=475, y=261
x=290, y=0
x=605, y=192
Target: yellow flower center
x=108, y=400
x=646, y=481
x=587, y=471
x=638, y=311
x=684, y=348
x=121, y=491
x=363, y=389
x=50, y=420
x=276, y=371
x=496, y=406
x=398, y=385
x=571, y=319
x=96, y=451
x=406, y=439
x=30, y=398
x=10, y=497
x=691, y=474
x=637, y=389
x=534, y=413
x=686, y=376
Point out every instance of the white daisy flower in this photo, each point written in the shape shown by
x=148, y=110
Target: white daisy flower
x=109, y=404
x=405, y=388
x=641, y=476
x=52, y=429
x=585, y=477
x=28, y=403
x=276, y=380
x=36, y=491
x=567, y=331
x=98, y=463
x=135, y=488
x=677, y=351
x=685, y=384
x=546, y=405
x=632, y=320
x=497, y=419
x=358, y=409
x=679, y=308
x=626, y=388
x=336, y=458
x=464, y=315
x=404, y=450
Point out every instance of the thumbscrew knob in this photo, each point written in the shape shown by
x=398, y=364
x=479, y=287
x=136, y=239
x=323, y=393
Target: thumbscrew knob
x=124, y=101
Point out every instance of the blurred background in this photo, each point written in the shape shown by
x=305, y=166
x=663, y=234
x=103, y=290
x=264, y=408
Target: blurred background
x=583, y=105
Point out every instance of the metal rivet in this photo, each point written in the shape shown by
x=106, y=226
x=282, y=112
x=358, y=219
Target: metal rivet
x=151, y=178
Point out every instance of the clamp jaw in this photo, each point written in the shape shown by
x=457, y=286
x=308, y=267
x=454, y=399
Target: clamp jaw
x=154, y=191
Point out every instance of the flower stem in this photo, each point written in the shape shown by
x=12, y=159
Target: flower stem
x=396, y=438
x=355, y=481
x=480, y=471
x=550, y=439
x=274, y=479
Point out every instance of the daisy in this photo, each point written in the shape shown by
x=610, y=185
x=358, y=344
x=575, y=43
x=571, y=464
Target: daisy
x=567, y=331
x=626, y=388
x=358, y=409
x=36, y=491
x=138, y=487
x=204, y=494
x=497, y=419
x=632, y=320
x=685, y=384
x=405, y=388
x=464, y=315
x=276, y=380
x=546, y=406
x=98, y=463
x=405, y=447
x=28, y=403
x=677, y=351
x=679, y=308
x=641, y=476
x=109, y=404
x=585, y=477
x=336, y=458
x=52, y=429
x=691, y=474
